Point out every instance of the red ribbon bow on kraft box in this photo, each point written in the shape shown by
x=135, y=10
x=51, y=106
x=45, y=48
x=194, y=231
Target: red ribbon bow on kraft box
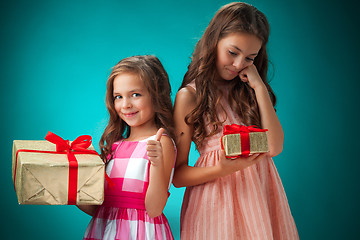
x=242, y=141
x=44, y=173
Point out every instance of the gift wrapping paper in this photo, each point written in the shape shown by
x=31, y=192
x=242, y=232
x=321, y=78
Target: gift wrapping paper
x=239, y=140
x=43, y=178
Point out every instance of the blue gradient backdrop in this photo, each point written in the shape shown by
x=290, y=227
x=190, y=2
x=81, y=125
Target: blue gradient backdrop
x=56, y=56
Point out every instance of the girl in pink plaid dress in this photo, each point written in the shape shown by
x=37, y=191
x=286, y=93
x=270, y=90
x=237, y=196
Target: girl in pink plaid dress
x=139, y=156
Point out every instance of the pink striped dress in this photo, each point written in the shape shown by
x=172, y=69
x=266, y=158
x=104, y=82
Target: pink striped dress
x=248, y=204
x=123, y=214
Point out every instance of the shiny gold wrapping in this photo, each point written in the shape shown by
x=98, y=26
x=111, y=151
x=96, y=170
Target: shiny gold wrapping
x=232, y=143
x=42, y=178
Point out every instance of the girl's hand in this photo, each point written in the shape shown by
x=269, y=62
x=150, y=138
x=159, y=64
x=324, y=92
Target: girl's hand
x=154, y=149
x=228, y=166
x=251, y=76
x=161, y=153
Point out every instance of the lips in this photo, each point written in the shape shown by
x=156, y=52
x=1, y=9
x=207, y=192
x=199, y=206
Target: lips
x=128, y=115
x=232, y=72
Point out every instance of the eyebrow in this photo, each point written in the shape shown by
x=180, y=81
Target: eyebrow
x=132, y=91
x=253, y=54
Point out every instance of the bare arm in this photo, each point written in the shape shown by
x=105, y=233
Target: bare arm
x=161, y=154
x=269, y=119
x=186, y=175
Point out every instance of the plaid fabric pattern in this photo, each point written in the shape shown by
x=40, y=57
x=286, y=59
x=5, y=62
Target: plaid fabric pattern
x=123, y=214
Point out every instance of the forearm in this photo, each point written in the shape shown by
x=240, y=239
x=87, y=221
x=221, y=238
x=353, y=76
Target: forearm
x=270, y=121
x=88, y=209
x=157, y=192
x=186, y=176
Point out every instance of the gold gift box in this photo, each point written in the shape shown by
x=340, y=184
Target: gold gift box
x=42, y=178
x=232, y=143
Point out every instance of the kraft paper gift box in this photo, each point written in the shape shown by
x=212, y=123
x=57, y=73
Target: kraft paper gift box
x=240, y=140
x=43, y=174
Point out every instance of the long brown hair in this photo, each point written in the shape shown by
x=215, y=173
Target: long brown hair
x=232, y=18
x=152, y=73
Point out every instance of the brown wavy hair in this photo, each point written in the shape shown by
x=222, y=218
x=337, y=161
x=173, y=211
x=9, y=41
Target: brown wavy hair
x=235, y=17
x=152, y=73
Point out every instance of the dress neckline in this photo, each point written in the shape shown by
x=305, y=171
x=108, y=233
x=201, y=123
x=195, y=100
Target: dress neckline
x=142, y=140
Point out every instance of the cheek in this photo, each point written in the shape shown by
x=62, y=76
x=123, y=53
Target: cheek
x=147, y=105
x=117, y=106
x=247, y=64
x=221, y=62
x=224, y=59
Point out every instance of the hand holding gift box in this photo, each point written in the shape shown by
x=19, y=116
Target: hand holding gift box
x=47, y=172
x=240, y=140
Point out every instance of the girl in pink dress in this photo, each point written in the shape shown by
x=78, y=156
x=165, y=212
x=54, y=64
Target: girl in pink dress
x=226, y=83
x=139, y=157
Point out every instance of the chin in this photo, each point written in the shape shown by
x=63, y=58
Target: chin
x=229, y=78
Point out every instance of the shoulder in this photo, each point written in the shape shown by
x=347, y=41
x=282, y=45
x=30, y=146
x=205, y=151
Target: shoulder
x=167, y=142
x=186, y=91
x=186, y=96
x=168, y=146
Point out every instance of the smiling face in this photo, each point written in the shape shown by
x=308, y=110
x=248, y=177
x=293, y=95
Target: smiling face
x=133, y=102
x=235, y=52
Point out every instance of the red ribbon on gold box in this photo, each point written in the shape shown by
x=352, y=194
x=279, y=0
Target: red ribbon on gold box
x=39, y=176
x=240, y=140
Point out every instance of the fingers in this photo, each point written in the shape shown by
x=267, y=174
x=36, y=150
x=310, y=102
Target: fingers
x=154, y=152
x=228, y=166
x=243, y=77
x=260, y=157
x=255, y=157
x=249, y=158
x=154, y=149
x=159, y=134
x=153, y=145
x=222, y=153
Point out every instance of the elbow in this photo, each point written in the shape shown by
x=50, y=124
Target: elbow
x=155, y=207
x=178, y=179
x=177, y=185
x=154, y=211
x=276, y=146
x=177, y=182
x=153, y=214
x=275, y=151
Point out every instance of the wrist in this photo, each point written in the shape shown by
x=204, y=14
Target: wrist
x=157, y=165
x=219, y=170
x=260, y=87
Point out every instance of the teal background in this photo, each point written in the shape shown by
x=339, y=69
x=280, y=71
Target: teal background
x=56, y=56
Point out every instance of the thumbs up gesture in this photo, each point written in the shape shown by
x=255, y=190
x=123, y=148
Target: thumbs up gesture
x=154, y=149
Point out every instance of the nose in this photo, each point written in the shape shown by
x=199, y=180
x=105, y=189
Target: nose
x=126, y=103
x=239, y=63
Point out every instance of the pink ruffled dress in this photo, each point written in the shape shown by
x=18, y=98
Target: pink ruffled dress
x=248, y=204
